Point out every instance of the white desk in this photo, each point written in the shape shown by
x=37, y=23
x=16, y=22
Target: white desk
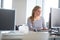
x=54, y=37
x=29, y=36
x=37, y=36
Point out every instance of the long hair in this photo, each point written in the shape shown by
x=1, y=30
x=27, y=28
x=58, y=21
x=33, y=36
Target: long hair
x=33, y=11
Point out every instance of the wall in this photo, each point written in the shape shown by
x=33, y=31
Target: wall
x=20, y=11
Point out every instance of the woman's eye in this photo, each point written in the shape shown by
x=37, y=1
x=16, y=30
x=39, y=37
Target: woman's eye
x=38, y=11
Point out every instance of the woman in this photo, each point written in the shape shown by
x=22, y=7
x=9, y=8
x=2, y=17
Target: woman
x=36, y=22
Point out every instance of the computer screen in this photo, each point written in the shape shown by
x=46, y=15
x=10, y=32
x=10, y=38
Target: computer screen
x=7, y=19
x=55, y=17
x=49, y=20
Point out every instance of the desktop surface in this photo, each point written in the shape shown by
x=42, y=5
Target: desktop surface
x=27, y=36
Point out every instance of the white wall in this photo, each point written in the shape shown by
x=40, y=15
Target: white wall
x=20, y=11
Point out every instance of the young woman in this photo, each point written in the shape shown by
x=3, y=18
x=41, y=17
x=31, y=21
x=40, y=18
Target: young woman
x=35, y=21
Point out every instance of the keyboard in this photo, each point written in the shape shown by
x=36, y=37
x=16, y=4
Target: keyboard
x=13, y=33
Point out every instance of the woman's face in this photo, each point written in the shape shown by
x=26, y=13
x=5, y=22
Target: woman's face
x=37, y=12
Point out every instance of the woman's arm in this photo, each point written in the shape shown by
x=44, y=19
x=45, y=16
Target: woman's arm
x=30, y=25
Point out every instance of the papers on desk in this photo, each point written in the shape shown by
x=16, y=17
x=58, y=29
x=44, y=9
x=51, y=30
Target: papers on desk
x=24, y=29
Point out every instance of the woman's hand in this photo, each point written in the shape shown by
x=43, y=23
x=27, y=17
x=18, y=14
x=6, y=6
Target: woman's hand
x=38, y=28
x=45, y=28
x=31, y=29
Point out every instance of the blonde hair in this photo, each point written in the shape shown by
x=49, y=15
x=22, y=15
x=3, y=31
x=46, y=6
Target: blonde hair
x=32, y=16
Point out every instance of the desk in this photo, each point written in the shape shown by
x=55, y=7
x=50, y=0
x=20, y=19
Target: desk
x=37, y=36
x=54, y=37
x=29, y=36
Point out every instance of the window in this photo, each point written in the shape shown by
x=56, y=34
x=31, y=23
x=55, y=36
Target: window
x=0, y=3
x=7, y=4
x=46, y=8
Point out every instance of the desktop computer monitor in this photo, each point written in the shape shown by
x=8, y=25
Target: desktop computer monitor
x=7, y=19
x=55, y=17
x=49, y=20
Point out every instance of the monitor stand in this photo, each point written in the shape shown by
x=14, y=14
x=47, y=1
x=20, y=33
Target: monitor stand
x=0, y=35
